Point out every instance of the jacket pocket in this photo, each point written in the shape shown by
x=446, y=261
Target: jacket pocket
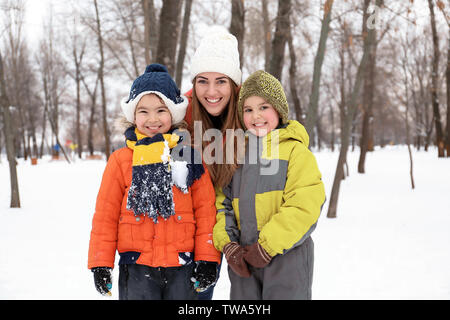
x=130, y=232
x=185, y=231
x=131, y=220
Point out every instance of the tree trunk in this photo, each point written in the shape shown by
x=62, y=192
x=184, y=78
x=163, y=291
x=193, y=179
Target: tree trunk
x=78, y=107
x=168, y=37
x=332, y=128
x=280, y=38
x=32, y=135
x=343, y=103
x=183, y=42
x=237, y=25
x=150, y=31
x=311, y=116
x=408, y=139
x=292, y=78
x=368, y=41
x=52, y=119
x=102, y=84
x=434, y=84
x=146, y=12
x=319, y=133
x=9, y=140
x=93, y=96
x=78, y=58
x=58, y=142
x=90, y=135
x=44, y=127
x=267, y=34
x=447, y=76
x=418, y=116
x=1, y=140
x=367, y=101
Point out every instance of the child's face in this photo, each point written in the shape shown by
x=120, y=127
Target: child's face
x=152, y=116
x=260, y=117
x=213, y=91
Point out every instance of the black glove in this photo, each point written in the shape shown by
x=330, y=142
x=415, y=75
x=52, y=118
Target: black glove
x=102, y=280
x=204, y=275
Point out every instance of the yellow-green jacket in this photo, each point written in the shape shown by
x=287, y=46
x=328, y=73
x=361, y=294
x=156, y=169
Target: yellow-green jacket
x=275, y=197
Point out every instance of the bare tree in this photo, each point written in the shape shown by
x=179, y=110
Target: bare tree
x=280, y=38
x=292, y=78
x=15, y=59
x=51, y=71
x=168, y=29
x=150, y=30
x=78, y=45
x=311, y=117
x=447, y=77
x=183, y=42
x=345, y=135
x=9, y=140
x=125, y=12
x=434, y=84
x=441, y=6
x=367, y=101
x=102, y=82
x=422, y=96
x=237, y=25
x=408, y=143
x=92, y=112
x=267, y=34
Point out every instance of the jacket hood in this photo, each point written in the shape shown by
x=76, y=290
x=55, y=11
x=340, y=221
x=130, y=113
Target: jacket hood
x=293, y=130
x=121, y=124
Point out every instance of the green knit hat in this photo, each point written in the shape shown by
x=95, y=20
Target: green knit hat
x=266, y=86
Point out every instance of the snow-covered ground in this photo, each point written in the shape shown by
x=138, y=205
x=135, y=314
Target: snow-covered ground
x=388, y=241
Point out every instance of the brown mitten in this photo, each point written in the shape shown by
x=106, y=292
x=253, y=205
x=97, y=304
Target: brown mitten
x=234, y=254
x=256, y=256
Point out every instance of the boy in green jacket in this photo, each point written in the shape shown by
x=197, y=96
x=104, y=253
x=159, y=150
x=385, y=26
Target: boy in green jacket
x=268, y=211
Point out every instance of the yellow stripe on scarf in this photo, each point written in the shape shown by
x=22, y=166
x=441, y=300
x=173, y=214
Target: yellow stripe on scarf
x=154, y=152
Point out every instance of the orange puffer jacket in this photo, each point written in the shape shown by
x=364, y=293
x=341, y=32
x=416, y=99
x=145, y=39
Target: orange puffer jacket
x=156, y=245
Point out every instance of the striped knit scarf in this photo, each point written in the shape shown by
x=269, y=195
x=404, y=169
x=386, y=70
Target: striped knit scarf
x=150, y=192
x=158, y=164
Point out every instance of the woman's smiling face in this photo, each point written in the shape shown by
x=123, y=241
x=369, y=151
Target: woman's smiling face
x=213, y=91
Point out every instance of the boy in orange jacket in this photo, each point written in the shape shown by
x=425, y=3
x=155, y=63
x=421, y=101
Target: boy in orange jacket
x=154, y=207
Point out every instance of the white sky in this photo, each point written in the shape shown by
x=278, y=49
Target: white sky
x=36, y=13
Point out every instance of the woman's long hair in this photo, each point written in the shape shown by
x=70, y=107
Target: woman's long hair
x=221, y=173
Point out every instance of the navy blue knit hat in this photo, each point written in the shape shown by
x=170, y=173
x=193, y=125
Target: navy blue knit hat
x=157, y=80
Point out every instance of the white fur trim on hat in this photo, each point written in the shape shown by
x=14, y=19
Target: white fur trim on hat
x=217, y=52
x=178, y=111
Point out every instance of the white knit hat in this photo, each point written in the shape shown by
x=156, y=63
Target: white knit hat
x=217, y=52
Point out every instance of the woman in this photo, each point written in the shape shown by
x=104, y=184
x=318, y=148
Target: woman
x=216, y=77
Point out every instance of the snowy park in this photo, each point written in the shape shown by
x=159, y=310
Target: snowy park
x=387, y=242
x=369, y=81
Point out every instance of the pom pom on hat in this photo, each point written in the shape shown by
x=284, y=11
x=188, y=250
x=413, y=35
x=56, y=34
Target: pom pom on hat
x=217, y=52
x=156, y=67
x=156, y=80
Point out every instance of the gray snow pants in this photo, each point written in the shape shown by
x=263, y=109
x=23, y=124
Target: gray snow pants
x=287, y=277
